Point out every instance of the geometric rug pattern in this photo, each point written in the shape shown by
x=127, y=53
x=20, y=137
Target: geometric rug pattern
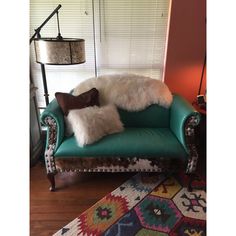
x=145, y=205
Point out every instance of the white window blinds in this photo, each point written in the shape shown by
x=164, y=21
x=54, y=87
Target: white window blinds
x=130, y=36
x=133, y=36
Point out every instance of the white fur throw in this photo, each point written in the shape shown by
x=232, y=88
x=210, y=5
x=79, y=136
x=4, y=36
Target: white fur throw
x=92, y=123
x=128, y=91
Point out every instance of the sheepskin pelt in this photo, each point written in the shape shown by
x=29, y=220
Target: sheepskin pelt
x=128, y=91
x=92, y=123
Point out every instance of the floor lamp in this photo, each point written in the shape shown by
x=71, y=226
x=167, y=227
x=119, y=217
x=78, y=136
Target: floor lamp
x=56, y=51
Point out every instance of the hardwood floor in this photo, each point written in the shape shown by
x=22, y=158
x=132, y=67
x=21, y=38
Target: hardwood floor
x=50, y=211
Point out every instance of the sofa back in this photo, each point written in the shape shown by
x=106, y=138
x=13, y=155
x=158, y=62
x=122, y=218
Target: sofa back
x=153, y=116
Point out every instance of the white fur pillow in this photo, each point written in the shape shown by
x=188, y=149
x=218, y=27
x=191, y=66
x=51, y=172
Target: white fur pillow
x=92, y=123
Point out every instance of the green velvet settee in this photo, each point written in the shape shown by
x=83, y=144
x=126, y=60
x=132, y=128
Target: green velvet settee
x=154, y=140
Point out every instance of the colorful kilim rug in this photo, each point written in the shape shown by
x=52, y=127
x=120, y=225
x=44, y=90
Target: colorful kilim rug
x=145, y=205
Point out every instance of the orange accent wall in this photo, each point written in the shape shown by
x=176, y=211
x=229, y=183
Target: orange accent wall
x=186, y=48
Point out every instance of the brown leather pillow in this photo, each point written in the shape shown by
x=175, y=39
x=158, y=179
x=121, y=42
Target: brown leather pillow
x=69, y=102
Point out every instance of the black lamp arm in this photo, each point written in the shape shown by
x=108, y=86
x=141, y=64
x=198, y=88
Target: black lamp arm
x=58, y=28
x=37, y=31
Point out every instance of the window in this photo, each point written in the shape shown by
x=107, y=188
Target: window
x=132, y=36
x=120, y=36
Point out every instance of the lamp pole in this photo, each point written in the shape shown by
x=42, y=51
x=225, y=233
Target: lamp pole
x=46, y=95
x=202, y=75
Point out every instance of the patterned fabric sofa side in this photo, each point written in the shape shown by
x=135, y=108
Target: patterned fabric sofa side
x=155, y=139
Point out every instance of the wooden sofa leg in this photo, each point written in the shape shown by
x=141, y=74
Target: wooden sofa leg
x=192, y=177
x=190, y=180
x=51, y=178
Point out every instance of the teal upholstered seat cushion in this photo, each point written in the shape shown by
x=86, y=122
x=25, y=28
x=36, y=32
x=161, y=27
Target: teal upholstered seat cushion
x=139, y=142
x=153, y=116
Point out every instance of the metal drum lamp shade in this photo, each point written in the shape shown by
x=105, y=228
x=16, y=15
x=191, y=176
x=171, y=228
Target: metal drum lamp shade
x=54, y=51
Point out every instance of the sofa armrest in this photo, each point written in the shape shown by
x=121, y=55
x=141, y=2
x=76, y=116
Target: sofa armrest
x=182, y=114
x=53, y=118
